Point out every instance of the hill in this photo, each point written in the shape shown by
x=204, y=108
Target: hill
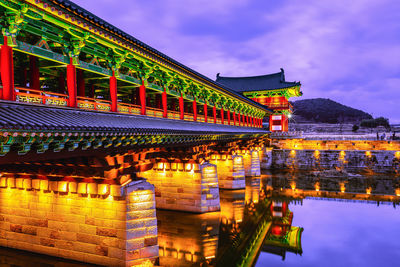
x=323, y=110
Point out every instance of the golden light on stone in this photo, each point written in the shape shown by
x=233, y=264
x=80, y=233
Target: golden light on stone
x=368, y=190
x=317, y=186
x=397, y=155
x=63, y=186
x=293, y=185
x=316, y=154
x=342, y=187
x=368, y=154
x=82, y=188
x=103, y=189
x=397, y=192
x=292, y=152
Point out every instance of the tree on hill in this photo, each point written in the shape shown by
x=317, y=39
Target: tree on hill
x=373, y=123
x=324, y=110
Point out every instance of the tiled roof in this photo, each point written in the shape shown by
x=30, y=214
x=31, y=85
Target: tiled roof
x=18, y=116
x=96, y=20
x=256, y=83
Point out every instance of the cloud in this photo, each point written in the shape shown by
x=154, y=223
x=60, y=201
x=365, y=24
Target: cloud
x=345, y=50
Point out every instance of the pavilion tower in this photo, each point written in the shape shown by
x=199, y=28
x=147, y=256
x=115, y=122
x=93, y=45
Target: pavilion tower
x=271, y=90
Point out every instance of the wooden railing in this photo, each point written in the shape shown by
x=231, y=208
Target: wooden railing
x=174, y=115
x=129, y=108
x=39, y=97
x=93, y=104
x=28, y=95
x=154, y=112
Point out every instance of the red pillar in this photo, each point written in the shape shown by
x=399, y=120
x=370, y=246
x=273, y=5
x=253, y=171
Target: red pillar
x=229, y=117
x=239, y=118
x=194, y=110
x=113, y=93
x=215, y=114
x=234, y=118
x=71, y=84
x=205, y=112
x=165, y=104
x=243, y=121
x=222, y=116
x=142, y=96
x=7, y=71
x=34, y=81
x=81, y=83
x=247, y=120
x=181, y=108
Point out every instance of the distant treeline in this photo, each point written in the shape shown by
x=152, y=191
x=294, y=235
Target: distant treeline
x=322, y=110
x=373, y=123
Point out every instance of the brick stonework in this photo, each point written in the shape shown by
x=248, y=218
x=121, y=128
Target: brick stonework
x=195, y=190
x=251, y=161
x=89, y=228
x=230, y=171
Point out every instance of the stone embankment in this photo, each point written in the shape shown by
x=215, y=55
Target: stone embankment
x=350, y=155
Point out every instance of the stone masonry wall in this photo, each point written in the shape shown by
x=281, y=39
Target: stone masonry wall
x=335, y=144
x=251, y=162
x=53, y=218
x=231, y=173
x=352, y=160
x=182, y=188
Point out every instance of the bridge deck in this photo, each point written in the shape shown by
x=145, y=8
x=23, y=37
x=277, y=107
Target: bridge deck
x=26, y=117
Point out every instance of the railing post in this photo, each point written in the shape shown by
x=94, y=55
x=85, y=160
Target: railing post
x=142, y=96
x=205, y=112
x=165, y=104
x=7, y=71
x=113, y=93
x=34, y=81
x=194, y=110
x=222, y=115
x=181, y=108
x=270, y=123
x=71, y=84
x=215, y=114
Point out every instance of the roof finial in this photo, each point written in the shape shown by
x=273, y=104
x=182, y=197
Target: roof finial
x=217, y=75
x=282, y=70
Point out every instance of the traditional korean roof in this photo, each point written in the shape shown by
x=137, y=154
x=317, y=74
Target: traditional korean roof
x=90, y=17
x=27, y=118
x=257, y=83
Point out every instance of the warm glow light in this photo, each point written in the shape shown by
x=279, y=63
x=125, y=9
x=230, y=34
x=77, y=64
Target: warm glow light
x=317, y=186
x=292, y=152
x=293, y=185
x=368, y=154
x=316, y=154
x=342, y=187
x=397, y=155
x=397, y=191
x=189, y=166
x=368, y=190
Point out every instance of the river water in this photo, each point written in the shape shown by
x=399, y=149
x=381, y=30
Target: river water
x=312, y=221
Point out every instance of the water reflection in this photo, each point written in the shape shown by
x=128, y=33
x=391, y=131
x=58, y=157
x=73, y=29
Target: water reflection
x=263, y=222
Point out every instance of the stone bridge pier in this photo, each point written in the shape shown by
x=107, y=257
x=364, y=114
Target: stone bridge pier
x=251, y=161
x=185, y=185
x=104, y=224
x=230, y=169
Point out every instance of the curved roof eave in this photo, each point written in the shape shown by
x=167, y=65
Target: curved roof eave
x=90, y=17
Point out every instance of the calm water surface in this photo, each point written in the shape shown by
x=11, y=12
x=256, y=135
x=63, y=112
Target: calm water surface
x=312, y=221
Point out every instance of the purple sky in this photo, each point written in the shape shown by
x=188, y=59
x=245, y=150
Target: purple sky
x=348, y=51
